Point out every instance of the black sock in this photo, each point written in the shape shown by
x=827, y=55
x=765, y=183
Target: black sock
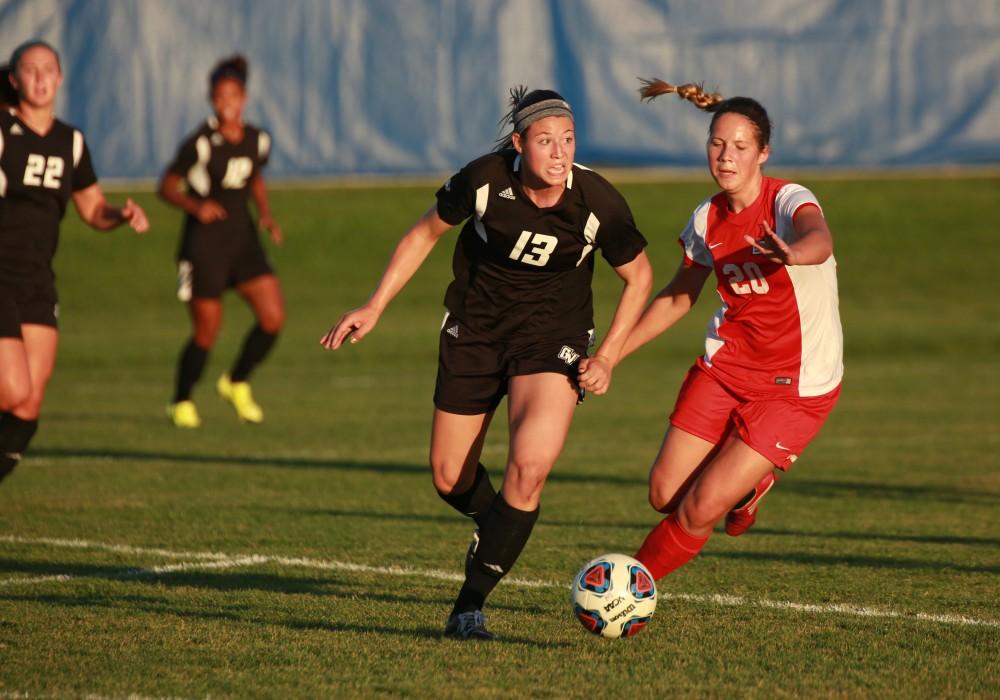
x=189, y=369
x=255, y=348
x=502, y=536
x=476, y=502
x=15, y=434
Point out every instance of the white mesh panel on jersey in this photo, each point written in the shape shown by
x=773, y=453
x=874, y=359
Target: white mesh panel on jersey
x=198, y=176
x=482, y=199
x=693, y=235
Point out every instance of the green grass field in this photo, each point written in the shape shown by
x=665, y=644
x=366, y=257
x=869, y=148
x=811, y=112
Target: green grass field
x=310, y=556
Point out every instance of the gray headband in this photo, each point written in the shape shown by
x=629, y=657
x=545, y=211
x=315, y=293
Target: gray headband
x=527, y=116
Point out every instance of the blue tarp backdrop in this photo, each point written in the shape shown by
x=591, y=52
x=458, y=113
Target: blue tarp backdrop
x=409, y=86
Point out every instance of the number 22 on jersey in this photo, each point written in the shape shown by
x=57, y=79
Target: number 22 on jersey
x=44, y=172
x=542, y=246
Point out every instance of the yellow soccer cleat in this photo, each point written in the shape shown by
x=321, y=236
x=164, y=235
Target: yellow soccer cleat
x=184, y=414
x=239, y=396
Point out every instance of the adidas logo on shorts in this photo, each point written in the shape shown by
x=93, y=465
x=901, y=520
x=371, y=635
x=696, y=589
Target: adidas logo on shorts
x=453, y=331
x=507, y=193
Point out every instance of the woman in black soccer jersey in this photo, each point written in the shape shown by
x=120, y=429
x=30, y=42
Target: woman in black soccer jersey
x=220, y=164
x=43, y=164
x=519, y=323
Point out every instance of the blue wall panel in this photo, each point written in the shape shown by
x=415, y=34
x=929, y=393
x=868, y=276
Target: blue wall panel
x=406, y=86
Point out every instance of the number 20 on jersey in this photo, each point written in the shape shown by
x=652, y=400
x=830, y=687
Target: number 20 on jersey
x=746, y=278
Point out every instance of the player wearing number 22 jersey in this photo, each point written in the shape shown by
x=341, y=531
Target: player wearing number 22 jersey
x=38, y=175
x=44, y=164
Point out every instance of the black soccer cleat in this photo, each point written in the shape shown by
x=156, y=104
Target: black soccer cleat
x=468, y=625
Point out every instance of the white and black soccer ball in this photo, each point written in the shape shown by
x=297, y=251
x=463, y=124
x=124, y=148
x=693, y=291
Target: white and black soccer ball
x=614, y=596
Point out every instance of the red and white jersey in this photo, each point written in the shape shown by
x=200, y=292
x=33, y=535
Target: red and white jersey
x=778, y=332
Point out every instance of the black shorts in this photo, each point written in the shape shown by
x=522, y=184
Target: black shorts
x=205, y=274
x=473, y=370
x=22, y=303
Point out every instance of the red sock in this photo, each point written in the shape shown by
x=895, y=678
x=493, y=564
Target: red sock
x=668, y=546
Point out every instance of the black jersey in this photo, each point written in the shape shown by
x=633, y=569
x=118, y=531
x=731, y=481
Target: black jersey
x=216, y=169
x=38, y=175
x=522, y=271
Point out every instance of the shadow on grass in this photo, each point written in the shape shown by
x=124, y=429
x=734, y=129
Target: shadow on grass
x=800, y=486
x=239, y=581
x=244, y=614
x=853, y=560
x=880, y=536
x=300, y=463
x=643, y=526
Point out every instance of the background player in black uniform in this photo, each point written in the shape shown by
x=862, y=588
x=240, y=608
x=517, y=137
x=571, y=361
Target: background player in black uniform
x=519, y=322
x=43, y=164
x=220, y=164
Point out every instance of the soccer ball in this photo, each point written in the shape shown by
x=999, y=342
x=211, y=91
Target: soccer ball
x=614, y=596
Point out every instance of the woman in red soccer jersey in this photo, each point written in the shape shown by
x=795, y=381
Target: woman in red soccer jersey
x=44, y=163
x=773, y=364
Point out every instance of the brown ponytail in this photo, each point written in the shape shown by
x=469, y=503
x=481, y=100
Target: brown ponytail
x=693, y=93
x=713, y=102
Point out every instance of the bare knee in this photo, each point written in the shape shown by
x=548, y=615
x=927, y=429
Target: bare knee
x=272, y=320
x=664, y=500
x=205, y=333
x=15, y=394
x=450, y=475
x=526, y=476
x=700, y=511
x=272, y=325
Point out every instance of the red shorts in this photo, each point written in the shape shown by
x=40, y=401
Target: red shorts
x=778, y=428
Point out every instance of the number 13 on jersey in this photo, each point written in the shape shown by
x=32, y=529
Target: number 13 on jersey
x=542, y=246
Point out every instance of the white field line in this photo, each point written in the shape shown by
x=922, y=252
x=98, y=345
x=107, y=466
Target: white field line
x=217, y=560
x=15, y=695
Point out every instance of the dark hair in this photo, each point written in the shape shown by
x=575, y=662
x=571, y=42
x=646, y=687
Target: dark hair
x=230, y=68
x=713, y=102
x=15, y=57
x=519, y=100
x=8, y=95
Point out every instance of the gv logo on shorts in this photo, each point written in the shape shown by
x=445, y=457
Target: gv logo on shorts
x=568, y=355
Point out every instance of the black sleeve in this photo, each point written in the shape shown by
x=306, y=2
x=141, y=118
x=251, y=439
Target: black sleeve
x=456, y=200
x=83, y=173
x=619, y=238
x=187, y=155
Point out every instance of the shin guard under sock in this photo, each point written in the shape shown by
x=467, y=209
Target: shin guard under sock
x=668, y=546
x=189, y=369
x=256, y=346
x=15, y=435
x=502, y=536
x=477, y=501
